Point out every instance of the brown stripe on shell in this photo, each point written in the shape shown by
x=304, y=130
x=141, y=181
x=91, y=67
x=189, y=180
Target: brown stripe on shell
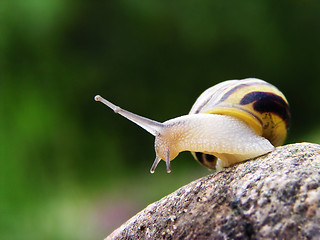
x=239, y=85
x=208, y=160
x=268, y=102
x=199, y=156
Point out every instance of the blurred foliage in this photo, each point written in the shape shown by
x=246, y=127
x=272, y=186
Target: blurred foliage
x=70, y=168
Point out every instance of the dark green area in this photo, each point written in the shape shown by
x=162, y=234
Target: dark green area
x=69, y=167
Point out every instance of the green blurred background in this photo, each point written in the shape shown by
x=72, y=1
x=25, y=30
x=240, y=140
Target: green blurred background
x=72, y=169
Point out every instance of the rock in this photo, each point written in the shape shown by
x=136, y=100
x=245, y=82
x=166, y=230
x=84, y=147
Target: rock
x=276, y=196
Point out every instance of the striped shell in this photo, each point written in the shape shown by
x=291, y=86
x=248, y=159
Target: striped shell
x=258, y=103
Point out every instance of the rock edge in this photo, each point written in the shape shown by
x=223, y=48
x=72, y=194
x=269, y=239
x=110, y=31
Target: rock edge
x=273, y=196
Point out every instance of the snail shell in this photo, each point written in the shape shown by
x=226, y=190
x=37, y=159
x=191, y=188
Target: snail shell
x=258, y=103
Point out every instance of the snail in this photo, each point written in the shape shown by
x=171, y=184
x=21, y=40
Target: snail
x=231, y=122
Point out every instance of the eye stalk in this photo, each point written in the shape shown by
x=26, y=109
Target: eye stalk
x=149, y=125
x=153, y=127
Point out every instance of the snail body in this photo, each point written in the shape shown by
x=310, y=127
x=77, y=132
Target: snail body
x=230, y=122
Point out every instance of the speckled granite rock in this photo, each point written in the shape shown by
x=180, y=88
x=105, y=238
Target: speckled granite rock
x=276, y=196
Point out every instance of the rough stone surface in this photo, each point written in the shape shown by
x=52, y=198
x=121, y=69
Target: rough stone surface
x=276, y=196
